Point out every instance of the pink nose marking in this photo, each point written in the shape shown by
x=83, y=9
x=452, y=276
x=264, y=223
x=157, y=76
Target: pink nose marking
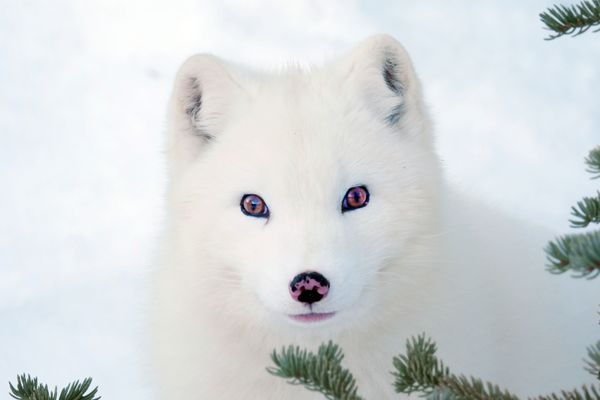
x=309, y=287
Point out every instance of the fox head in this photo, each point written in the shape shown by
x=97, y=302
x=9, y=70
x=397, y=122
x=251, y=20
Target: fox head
x=301, y=200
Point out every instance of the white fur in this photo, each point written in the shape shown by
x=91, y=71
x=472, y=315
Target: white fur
x=418, y=258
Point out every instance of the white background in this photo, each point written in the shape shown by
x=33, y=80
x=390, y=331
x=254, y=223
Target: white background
x=83, y=88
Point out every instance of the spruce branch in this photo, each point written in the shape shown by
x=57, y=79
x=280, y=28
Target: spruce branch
x=467, y=388
x=29, y=388
x=322, y=372
x=585, y=393
x=571, y=20
x=593, y=162
x=420, y=371
x=579, y=253
x=593, y=360
x=586, y=212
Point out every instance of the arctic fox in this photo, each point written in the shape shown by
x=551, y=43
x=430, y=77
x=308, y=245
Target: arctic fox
x=309, y=205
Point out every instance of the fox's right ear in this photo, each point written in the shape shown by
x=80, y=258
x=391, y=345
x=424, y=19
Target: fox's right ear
x=197, y=111
x=380, y=73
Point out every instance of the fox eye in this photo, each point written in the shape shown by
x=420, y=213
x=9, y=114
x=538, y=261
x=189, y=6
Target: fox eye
x=355, y=197
x=254, y=206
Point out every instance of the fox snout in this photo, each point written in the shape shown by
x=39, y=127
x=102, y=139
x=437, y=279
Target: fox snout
x=309, y=287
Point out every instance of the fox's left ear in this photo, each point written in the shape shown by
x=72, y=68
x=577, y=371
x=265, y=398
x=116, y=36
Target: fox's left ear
x=201, y=100
x=380, y=72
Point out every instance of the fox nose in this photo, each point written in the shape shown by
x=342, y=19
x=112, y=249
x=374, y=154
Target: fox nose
x=309, y=287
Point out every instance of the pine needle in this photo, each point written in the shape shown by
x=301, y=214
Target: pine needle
x=586, y=212
x=578, y=253
x=29, y=388
x=593, y=360
x=573, y=20
x=321, y=373
x=420, y=371
x=593, y=162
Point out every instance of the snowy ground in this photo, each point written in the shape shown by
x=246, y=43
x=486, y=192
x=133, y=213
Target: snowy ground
x=83, y=87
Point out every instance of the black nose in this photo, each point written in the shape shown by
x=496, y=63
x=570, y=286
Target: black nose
x=309, y=287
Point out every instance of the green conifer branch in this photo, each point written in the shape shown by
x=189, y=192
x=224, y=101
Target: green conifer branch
x=29, y=388
x=586, y=212
x=585, y=393
x=571, y=20
x=579, y=253
x=419, y=371
x=322, y=372
x=593, y=162
x=593, y=360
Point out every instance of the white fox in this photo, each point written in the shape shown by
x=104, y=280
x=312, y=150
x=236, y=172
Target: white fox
x=308, y=206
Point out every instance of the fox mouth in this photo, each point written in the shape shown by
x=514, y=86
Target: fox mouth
x=312, y=317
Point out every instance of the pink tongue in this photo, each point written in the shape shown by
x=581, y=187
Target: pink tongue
x=313, y=317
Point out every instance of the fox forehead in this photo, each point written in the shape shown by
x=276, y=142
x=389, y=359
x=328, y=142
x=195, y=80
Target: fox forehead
x=300, y=139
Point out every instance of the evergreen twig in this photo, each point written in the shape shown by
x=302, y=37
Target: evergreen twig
x=322, y=372
x=419, y=371
x=579, y=253
x=29, y=388
x=593, y=360
x=593, y=162
x=585, y=393
x=571, y=20
x=586, y=212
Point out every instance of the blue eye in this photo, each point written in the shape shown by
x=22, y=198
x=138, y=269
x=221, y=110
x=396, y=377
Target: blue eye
x=254, y=206
x=355, y=197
